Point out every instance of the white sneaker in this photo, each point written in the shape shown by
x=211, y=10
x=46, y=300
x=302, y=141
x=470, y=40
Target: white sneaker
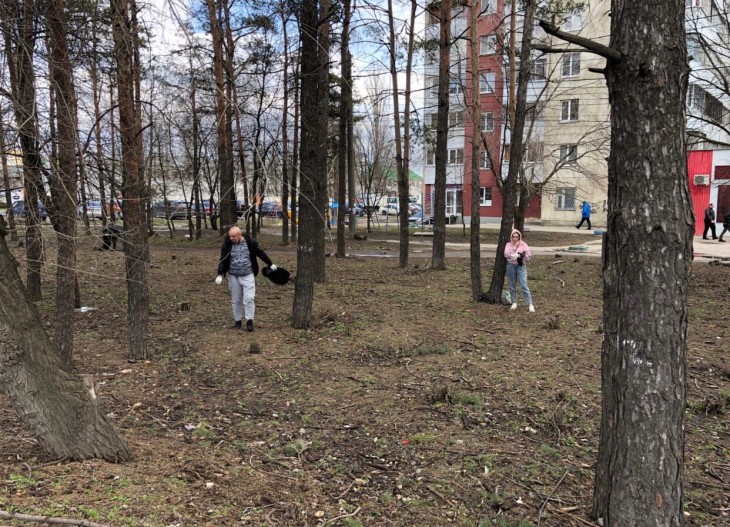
x=513, y=307
x=531, y=309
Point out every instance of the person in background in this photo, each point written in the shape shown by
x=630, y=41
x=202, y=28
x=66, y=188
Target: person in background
x=725, y=226
x=710, y=222
x=238, y=259
x=585, y=215
x=109, y=235
x=517, y=253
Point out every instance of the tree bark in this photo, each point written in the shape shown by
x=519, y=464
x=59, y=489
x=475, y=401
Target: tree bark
x=475, y=115
x=63, y=186
x=54, y=403
x=22, y=86
x=509, y=188
x=343, y=144
x=313, y=162
x=438, y=255
x=285, y=128
x=6, y=178
x=647, y=260
x=134, y=193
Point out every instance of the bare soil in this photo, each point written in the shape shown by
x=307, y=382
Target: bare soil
x=405, y=404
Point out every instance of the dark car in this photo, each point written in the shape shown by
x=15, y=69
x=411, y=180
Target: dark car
x=19, y=210
x=419, y=219
x=174, y=210
x=270, y=209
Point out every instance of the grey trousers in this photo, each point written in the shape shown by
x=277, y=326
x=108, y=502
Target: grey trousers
x=243, y=291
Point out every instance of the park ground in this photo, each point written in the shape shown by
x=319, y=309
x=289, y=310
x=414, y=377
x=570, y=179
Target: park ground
x=405, y=404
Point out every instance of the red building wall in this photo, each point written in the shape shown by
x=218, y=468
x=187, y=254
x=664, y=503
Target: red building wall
x=699, y=162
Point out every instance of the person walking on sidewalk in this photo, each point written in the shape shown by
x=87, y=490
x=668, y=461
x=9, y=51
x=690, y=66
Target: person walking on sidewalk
x=517, y=253
x=710, y=222
x=725, y=226
x=585, y=215
x=239, y=255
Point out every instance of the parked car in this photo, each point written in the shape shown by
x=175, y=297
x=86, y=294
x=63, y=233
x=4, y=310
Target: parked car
x=418, y=219
x=271, y=209
x=19, y=210
x=174, y=210
x=93, y=209
x=389, y=210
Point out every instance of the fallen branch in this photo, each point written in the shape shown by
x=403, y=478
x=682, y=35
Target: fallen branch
x=48, y=519
x=343, y=516
x=562, y=282
x=545, y=502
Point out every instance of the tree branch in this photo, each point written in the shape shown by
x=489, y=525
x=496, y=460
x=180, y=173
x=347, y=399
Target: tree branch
x=48, y=519
x=586, y=43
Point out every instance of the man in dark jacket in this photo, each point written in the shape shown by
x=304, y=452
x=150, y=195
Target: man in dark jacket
x=725, y=226
x=239, y=255
x=709, y=222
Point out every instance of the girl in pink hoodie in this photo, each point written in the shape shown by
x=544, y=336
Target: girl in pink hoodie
x=517, y=254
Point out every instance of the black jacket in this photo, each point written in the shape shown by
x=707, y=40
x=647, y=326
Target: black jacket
x=709, y=215
x=726, y=220
x=253, y=249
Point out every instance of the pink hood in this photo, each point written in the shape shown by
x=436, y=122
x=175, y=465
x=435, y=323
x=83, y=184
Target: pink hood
x=511, y=250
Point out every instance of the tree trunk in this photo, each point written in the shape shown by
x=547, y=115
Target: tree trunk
x=22, y=85
x=294, y=183
x=313, y=162
x=320, y=180
x=509, y=188
x=343, y=144
x=285, y=129
x=6, y=178
x=54, y=403
x=647, y=262
x=475, y=115
x=521, y=207
x=64, y=184
x=227, y=203
x=134, y=193
x=438, y=256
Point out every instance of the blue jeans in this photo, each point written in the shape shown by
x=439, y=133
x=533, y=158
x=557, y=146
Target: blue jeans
x=515, y=273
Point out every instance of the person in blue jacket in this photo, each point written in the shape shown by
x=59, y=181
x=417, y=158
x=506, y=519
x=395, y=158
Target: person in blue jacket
x=585, y=215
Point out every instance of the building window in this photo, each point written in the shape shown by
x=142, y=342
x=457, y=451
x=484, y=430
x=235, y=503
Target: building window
x=488, y=7
x=455, y=86
x=432, y=120
x=565, y=198
x=431, y=157
x=708, y=105
x=692, y=3
x=568, y=154
x=569, y=110
x=573, y=21
x=456, y=120
x=534, y=152
x=538, y=68
x=571, y=64
x=433, y=86
x=484, y=162
x=487, y=44
x=453, y=201
x=456, y=156
x=486, y=82
x=485, y=196
x=488, y=122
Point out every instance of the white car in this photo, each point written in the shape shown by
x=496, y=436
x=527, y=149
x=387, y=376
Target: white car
x=389, y=210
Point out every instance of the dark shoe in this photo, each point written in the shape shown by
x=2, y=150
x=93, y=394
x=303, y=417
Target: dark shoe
x=249, y=325
x=704, y=237
x=577, y=227
x=714, y=238
x=721, y=240
x=237, y=325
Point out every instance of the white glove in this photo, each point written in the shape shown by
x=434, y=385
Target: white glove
x=273, y=267
x=218, y=280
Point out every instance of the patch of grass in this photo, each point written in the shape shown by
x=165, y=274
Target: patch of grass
x=427, y=348
x=471, y=399
x=23, y=482
x=423, y=438
x=295, y=448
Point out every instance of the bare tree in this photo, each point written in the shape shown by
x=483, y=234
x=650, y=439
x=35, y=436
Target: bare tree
x=639, y=474
x=62, y=413
x=136, y=248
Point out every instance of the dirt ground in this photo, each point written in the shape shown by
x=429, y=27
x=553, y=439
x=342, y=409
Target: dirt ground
x=405, y=404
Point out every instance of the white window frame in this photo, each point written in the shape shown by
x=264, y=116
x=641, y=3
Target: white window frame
x=485, y=196
x=455, y=156
x=484, y=163
x=487, y=44
x=569, y=110
x=569, y=154
x=487, y=81
x=456, y=119
x=430, y=158
x=563, y=197
x=571, y=64
x=538, y=69
x=488, y=122
x=573, y=21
